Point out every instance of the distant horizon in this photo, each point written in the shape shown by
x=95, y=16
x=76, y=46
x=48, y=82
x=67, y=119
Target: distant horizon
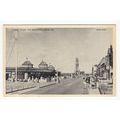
x=59, y=47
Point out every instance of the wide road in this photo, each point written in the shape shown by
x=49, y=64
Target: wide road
x=66, y=86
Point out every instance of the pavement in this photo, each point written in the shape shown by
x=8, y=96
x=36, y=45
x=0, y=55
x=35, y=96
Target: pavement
x=70, y=86
x=106, y=88
x=66, y=86
x=20, y=88
x=94, y=91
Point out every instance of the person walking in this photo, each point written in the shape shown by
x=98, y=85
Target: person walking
x=59, y=80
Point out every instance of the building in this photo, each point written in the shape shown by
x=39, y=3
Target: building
x=82, y=73
x=27, y=71
x=77, y=66
x=77, y=71
x=67, y=75
x=104, y=70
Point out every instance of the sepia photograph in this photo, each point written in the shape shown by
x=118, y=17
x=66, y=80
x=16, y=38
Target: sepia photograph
x=71, y=59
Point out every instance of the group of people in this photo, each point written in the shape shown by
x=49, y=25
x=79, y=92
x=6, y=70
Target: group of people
x=38, y=80
x=92, y=81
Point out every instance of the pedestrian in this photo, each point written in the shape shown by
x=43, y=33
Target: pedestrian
x=59, y=80
x=55, y=79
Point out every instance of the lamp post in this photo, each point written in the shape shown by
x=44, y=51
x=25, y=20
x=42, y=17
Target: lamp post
x=16, y=48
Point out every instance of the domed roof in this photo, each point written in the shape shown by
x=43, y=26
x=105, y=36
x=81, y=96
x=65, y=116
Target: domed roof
x=43, y=64
x=51, y=67
x=27, y=63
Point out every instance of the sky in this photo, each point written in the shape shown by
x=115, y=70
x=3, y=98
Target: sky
x=58, y=47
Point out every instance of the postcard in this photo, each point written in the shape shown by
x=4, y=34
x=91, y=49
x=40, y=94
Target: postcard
x=56, y=59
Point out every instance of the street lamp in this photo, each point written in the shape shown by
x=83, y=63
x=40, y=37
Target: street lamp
x=16, y=48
